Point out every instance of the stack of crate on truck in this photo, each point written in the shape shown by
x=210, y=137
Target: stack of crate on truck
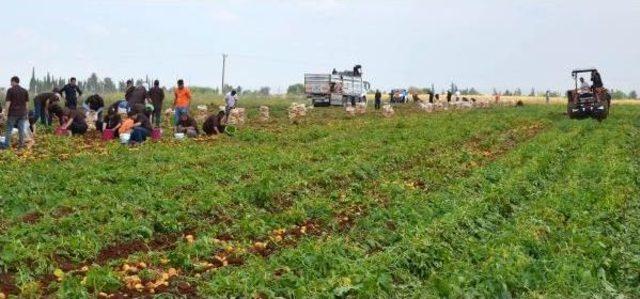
x=337, y=88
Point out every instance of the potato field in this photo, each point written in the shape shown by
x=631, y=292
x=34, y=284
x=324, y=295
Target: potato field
x=501, y=202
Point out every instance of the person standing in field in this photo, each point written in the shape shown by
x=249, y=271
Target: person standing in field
x=129, y=90
x=41, y=104
x=181, y=102
x=449, y=94
x=71, y=93
x=230, y=102
x=156, y=94
x=378, y=99
x=547, y=96
x=16, y=112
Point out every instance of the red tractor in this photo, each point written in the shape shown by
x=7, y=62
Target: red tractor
x=588, y=100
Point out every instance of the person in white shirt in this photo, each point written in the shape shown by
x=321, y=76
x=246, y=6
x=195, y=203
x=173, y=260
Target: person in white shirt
x=584, y=86
x=230, y=102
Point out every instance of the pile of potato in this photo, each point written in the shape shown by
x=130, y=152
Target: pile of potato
x=426, y=107
x=297, y=112
x=351, y=112
x=387, y=111
x=237, y=117
x=361, y=108
x=264, y=114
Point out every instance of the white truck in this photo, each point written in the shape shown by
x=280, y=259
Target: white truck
x=336, y=89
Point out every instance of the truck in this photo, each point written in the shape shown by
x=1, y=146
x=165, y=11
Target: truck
x=337, y=88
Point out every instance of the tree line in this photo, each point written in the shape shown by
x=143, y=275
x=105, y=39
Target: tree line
x=95, y=84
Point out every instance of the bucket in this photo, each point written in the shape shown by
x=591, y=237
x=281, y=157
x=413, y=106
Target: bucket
x=108, y=134
x=124, y=138
x=156, y=134
x=2, y=139
x=60, y=131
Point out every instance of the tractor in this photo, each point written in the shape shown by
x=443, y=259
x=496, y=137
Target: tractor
x=586, y=101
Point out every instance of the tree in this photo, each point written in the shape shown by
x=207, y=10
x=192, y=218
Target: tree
x=109, y=86
x=633, y=95
x=296, y=89
x=227, y=88
x=33, y=83
x=507, y=93
x=122, y=86
x=533, y=92
x=517, y=92
x=93, y=83
x=264, y=91
x=619, y=94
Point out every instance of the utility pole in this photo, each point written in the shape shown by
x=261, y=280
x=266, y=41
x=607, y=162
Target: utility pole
x=224, y=68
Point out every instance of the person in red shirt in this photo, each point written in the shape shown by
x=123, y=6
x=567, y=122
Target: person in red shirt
x=182, y=100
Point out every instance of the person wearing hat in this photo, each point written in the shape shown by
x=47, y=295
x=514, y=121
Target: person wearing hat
x=187, y=125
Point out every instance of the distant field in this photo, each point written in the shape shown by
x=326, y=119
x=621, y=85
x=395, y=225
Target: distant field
x=501, y=202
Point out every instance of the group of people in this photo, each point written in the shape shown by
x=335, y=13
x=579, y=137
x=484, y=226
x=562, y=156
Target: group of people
x=136, y=114
x=432, y=97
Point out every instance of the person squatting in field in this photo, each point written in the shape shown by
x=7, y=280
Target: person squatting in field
x=16, y=113
x=141, y=127
x=112, y=121
x=75, y=121
x=214, y=124
x=187, y=125
x=71, y=92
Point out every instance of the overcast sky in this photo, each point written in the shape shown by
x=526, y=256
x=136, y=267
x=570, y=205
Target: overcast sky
x=482, y=44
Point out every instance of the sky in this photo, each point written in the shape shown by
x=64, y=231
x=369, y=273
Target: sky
x=484, y=44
